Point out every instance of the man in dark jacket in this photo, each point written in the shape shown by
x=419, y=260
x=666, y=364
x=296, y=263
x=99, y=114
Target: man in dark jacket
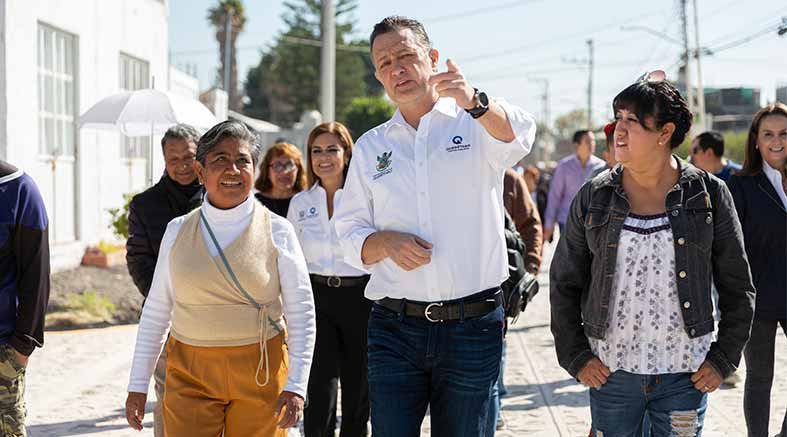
x=175, y=194
x=24, y=288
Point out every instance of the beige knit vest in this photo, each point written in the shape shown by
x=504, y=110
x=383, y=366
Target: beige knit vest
x=208, y=309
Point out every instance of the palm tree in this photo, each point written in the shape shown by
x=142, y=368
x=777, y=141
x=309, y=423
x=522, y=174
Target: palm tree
x=217, y=16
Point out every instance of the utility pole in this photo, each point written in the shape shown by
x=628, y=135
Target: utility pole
x=328, y=61
x=543, y=153
x=686, y=55
x=227, y=50
x=590, y=83
x=544, y=98
x=700, y=89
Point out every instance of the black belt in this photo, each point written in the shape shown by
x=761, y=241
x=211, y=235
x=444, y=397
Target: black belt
x=340, y=281
x=474, y=306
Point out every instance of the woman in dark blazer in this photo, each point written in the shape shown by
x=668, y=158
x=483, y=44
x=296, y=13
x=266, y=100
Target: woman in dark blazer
x=760, y=193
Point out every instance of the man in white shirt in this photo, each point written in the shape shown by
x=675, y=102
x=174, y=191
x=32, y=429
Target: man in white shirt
x=422, y=210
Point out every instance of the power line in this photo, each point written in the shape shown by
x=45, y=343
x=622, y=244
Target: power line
x=582, y=33
x=745, y=40
x=282, y=38
x=475, y=12
x=737, y=32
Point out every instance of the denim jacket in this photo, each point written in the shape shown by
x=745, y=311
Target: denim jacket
x=708, y=248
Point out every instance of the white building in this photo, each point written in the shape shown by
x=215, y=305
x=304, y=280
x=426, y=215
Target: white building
x=58, y=58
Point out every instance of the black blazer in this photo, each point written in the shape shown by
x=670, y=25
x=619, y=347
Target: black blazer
x=764, y=221
x=148, y=215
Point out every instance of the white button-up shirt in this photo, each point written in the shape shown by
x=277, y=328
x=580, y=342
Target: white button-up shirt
x=308, y=213
x=442, y=182
x=775, y=177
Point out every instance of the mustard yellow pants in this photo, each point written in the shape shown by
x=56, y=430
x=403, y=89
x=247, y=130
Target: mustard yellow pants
x=210, y=390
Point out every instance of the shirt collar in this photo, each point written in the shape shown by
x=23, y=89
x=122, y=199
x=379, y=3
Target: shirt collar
x=444, y=105
x=773, y=175
x=228, y=216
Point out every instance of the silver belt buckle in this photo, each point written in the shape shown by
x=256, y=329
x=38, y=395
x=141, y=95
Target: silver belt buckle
x=429, y=308
x=334, y=281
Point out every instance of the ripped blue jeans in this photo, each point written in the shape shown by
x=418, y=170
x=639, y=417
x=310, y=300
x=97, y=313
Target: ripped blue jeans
x=670, y=401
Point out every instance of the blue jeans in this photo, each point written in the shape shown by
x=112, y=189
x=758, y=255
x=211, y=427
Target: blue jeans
x=449, y=366
x=495, y=401
x=672, y=404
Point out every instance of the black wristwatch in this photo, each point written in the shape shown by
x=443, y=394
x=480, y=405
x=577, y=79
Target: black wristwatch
x=481, y=104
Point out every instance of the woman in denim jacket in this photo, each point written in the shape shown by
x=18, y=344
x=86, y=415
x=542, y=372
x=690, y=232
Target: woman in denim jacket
x=631, y=278
x=760, y=193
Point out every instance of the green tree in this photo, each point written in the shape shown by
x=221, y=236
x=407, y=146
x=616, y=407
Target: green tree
x=218, y=16
x=568, y=123
x=364, y=113
x=286, y=81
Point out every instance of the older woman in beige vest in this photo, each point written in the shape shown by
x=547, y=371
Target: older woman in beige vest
x=227, y=277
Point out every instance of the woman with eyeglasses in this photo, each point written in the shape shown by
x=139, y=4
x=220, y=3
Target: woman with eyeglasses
x=630, y=282
x=760, y=193
x=281, y=177
x=342, y=310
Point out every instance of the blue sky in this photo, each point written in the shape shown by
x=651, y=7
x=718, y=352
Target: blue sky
x=505, y=47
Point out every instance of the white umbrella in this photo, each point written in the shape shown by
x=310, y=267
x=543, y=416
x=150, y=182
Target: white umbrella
x=145, y=113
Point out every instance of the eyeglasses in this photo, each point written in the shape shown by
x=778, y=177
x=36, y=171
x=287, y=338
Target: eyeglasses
x=654, y=76
x=278, y=167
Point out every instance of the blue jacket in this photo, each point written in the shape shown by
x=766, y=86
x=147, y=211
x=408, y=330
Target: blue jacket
x=24, y=261
x=764, y=222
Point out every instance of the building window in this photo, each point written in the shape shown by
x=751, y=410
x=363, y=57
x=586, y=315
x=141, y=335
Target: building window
x=57, y=72
x=134, y=75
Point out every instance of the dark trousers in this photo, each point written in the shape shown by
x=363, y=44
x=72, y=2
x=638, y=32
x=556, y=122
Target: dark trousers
x=759, y=355
x=339, y=355
x=449, y=366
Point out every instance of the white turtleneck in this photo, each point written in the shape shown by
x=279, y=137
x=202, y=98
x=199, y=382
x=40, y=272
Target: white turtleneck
x=298, y=304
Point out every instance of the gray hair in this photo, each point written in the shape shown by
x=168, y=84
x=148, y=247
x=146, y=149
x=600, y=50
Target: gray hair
x=180, y=131
x=397, y=22
x=228, y=129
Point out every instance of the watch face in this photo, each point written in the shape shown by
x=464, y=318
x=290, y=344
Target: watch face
x=483, y=99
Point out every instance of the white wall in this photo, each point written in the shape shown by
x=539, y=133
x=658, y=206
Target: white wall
x=103, y=29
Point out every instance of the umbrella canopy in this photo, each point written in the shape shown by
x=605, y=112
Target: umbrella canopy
x=146, y=112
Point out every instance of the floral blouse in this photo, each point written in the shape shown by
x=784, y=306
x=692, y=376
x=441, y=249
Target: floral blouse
x=645, y=332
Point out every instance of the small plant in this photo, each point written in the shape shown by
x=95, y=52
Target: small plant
x=106, y=247
x=119, y=218
x=91, y=303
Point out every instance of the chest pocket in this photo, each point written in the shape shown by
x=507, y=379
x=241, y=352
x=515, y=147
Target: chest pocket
x=596, y=230
x=699, y=211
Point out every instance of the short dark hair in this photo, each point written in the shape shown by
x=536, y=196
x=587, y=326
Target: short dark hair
x=711, y=140
x=180, y=131
x=397, y=22
x=579, y=134
x=228, y=129
x=660, y=100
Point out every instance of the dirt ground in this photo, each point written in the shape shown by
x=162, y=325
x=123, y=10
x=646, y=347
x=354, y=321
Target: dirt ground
x=91, y=297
